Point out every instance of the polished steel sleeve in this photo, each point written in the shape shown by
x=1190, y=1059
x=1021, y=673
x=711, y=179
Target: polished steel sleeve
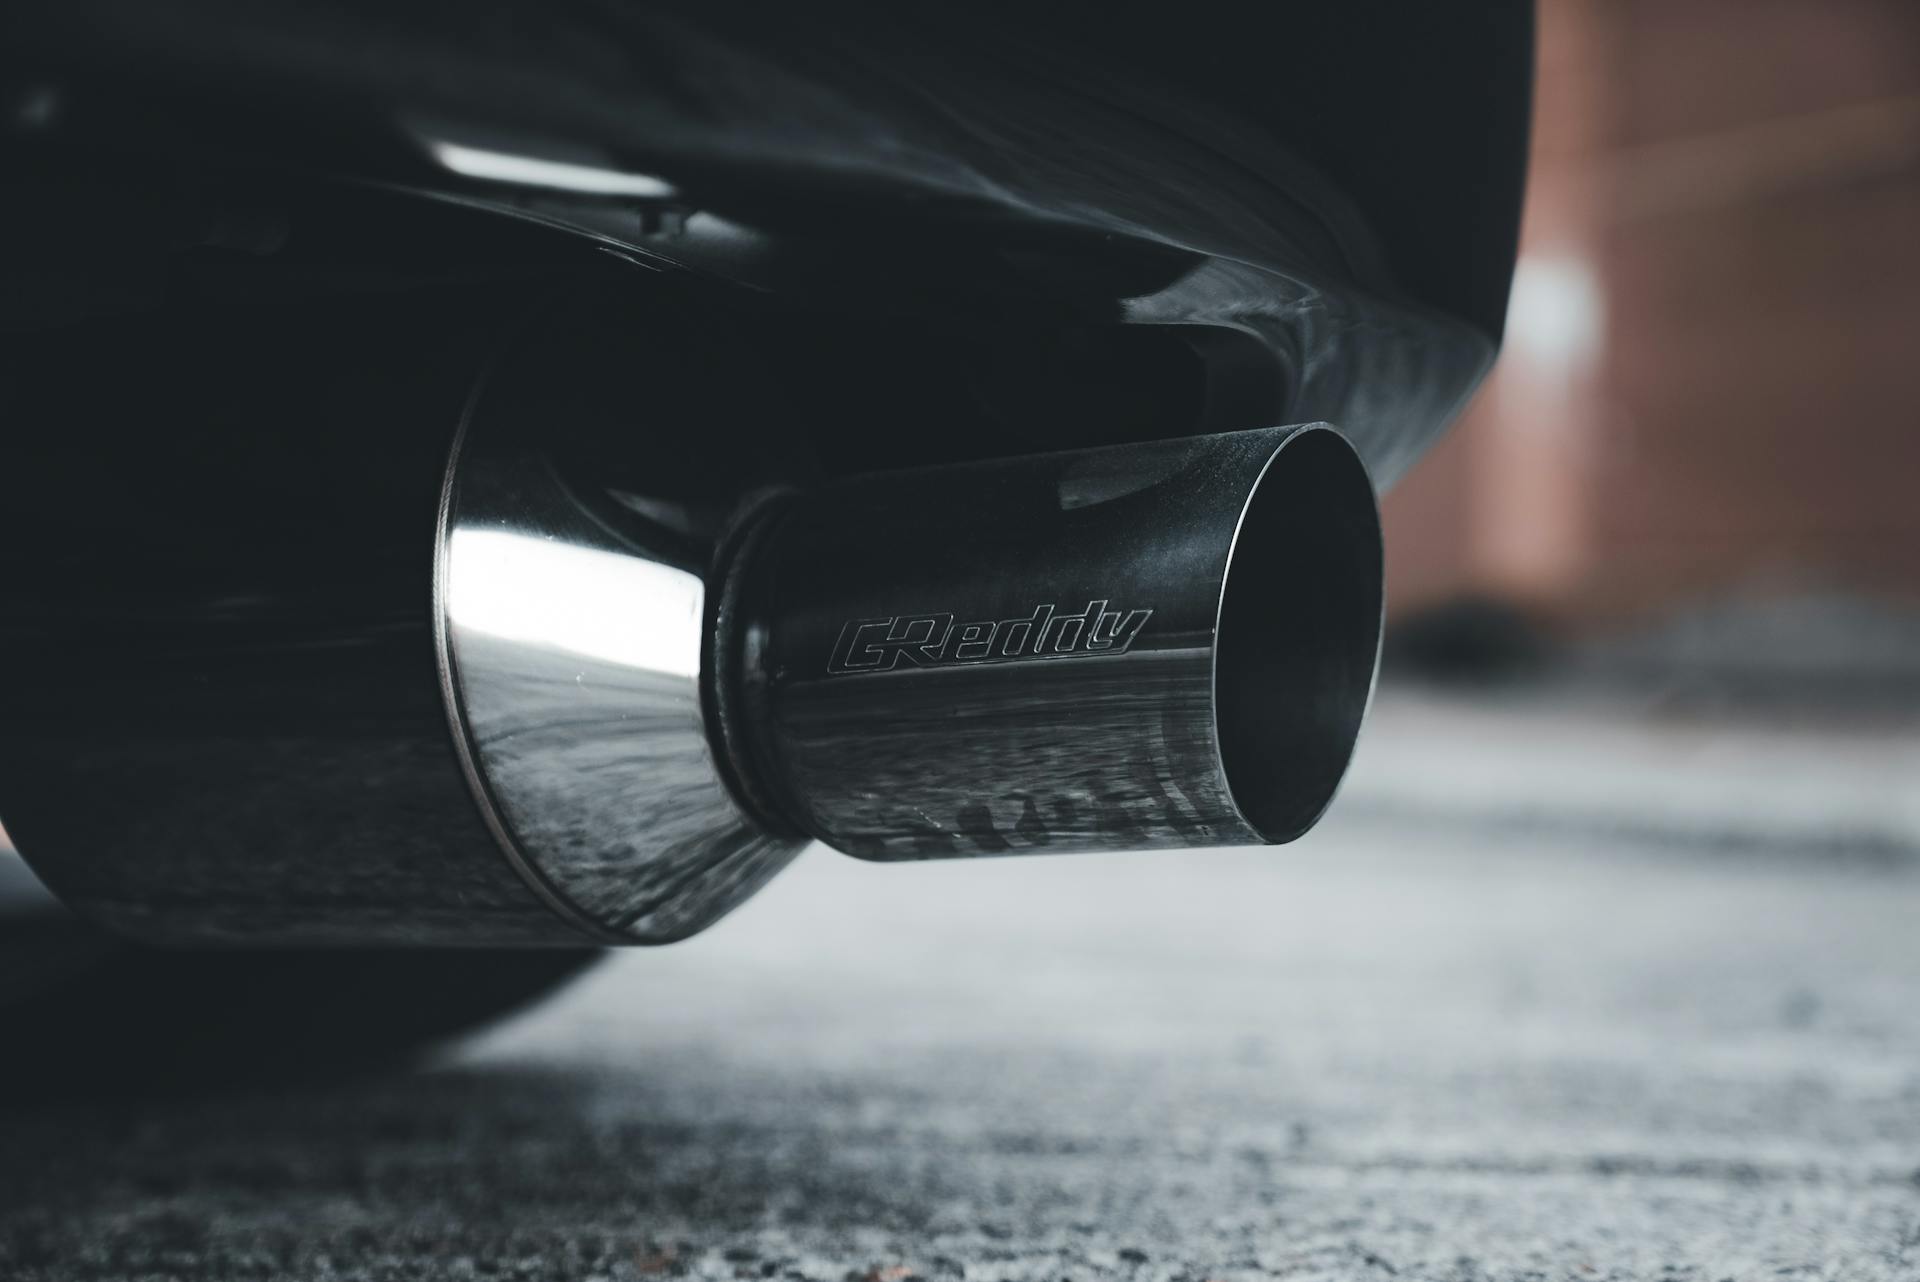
x=1164, y=644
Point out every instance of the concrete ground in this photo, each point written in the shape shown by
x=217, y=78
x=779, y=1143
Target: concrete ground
x=1553, y=995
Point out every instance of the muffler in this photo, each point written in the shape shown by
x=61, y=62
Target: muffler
x=662, y=672
x=1151, y=645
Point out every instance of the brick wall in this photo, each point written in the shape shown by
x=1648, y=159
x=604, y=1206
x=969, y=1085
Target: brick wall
x=1712, y=377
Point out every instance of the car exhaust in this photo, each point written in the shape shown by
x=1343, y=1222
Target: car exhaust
x=655, y=688
x=1154, y=645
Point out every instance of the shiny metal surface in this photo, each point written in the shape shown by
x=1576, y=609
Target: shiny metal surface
x=1158, y=645
x=660, y=692
x=572, y=646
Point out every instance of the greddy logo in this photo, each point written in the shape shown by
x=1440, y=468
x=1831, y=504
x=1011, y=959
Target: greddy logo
x=935, y=640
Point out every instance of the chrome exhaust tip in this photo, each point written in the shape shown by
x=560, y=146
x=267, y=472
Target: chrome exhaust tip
x=1154, y=645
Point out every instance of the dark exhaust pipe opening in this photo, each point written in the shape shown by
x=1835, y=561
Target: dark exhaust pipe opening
x=1299, y=634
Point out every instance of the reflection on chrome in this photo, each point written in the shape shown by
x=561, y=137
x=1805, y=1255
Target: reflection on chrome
x=612, y=606
x=571, y=647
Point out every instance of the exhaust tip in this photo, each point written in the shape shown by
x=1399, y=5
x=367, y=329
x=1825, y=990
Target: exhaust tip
x=1161, y=645
x=1298, y=637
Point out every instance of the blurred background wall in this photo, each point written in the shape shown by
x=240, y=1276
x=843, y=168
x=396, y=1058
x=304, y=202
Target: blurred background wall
x=1711, y=381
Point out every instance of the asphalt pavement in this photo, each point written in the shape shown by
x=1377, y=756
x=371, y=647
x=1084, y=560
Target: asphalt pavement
x=1554, y=994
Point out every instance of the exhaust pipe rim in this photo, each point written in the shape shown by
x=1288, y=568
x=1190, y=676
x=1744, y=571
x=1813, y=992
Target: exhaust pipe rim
x=1353, y=518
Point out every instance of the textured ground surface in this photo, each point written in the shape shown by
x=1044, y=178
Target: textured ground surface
x=1531, y=1011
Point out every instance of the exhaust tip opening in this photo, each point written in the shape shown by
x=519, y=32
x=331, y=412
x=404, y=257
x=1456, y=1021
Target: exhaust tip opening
x=1298, y=637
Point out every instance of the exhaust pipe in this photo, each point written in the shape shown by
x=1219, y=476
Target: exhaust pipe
x=1155, y=645
x=653, y=693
